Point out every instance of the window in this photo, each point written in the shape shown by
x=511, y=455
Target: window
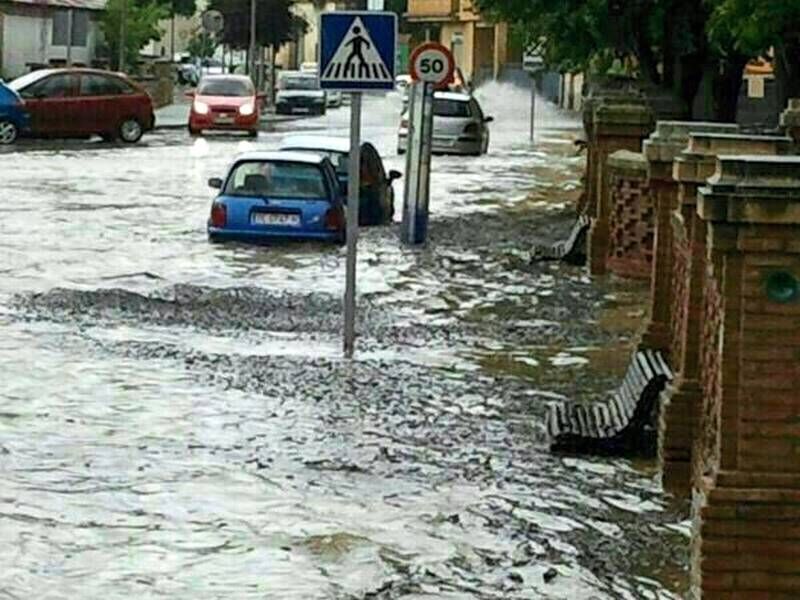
x=277, y=179
x=56, y=86
x=450, y=108
x=100, y=85
x=226, y=87
x=80, y=27
x=298, y=83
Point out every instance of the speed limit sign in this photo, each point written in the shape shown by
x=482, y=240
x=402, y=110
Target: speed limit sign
x=432, y=63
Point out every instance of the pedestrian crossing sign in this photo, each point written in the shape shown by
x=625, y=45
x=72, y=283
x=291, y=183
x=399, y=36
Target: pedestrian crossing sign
x=357, y=50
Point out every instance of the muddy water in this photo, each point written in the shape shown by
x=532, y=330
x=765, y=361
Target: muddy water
x=176, y=420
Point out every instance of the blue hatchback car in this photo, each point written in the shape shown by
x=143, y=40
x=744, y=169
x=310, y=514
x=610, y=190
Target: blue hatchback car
x=14, y=119
x=268, y=196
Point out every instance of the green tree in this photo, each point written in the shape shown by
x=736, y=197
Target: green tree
x=201, y=44
x=665, y=42
x=276, y=24
x=756, y=27
x=141, y=26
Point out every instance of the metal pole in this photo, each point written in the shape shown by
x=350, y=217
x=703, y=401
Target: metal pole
x=122, y=19
x=172, y=36
x=252, y=58
x=353, y=185
x=69, y=37
x=533, y=106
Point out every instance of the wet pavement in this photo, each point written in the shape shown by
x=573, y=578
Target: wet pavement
x=177, y=421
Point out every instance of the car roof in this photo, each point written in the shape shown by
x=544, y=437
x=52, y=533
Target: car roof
x=317, y=142
x=227, y=76
x=457, y=96
x=308, y=158
x=87, y=70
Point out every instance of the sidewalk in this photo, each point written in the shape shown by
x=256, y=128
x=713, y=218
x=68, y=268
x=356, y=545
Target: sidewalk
x=176, y=116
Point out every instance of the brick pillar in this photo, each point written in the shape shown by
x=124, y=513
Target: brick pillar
x=617, y=125
x=668, y=140
x=683, y=286
x=590, y=103
x=790, y=119
x=630, y=220
x=746, y=504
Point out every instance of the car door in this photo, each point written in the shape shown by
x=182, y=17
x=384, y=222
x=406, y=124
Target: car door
x=96, y=107
x=53, y=105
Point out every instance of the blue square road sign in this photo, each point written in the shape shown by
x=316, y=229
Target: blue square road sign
x=357, y=50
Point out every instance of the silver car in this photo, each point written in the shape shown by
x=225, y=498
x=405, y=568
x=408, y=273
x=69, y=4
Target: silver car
x=459, y=125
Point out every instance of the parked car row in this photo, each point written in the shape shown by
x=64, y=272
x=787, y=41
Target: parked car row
x=298, y=193
x=74, y=103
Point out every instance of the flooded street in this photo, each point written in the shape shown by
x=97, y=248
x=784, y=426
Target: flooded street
x=177, y=420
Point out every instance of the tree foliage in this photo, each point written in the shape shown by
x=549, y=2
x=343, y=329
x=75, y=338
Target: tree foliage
x=276, y=24
x=141, y=19
x=672, y=44
x=201, y=44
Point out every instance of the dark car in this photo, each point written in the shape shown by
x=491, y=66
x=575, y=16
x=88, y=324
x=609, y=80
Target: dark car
x=14, y=119
x=85, y=102
x=376, y=205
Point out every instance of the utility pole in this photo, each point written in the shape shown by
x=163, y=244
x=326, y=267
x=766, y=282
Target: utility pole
x=70, y=22
x=251, y=63
x=172, y=35
x=122, y=19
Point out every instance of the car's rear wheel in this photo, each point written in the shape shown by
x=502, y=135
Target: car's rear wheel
x=8, y=132
x=130, y=131
x=193, y=131
x=253, y=133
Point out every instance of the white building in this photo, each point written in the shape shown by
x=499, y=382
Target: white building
x=34, y=33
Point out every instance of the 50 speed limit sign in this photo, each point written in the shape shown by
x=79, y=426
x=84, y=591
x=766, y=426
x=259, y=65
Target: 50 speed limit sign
x=432, y=63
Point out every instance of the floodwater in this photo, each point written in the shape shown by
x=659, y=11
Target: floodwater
x=176, y=419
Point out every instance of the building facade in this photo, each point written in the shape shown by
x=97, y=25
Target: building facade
x=482, y=50
x=36, y=33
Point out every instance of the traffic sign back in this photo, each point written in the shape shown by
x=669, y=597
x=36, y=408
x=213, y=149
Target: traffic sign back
x=357, y=50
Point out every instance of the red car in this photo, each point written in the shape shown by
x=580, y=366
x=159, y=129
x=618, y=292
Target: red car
x=225, y=102
x=85, y=102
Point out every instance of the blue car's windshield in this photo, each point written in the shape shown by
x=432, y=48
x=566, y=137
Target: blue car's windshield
x=277, y=180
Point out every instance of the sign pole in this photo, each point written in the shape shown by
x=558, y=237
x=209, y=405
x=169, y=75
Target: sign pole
x=353, y=185
x=533, y=105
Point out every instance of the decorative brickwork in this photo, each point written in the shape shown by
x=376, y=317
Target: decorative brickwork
x=661, y=148
x=684, y=314
x=746, y=537
x=631, y=218
x=619, y=123
x=679, y=285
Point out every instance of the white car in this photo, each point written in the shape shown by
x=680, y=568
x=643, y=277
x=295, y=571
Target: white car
x=459, y=125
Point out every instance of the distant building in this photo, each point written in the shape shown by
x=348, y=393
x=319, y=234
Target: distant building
x=176, y=34
x=34, y=33
x=482, y=49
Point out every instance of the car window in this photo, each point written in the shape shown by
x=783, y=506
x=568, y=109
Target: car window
x=451, y=108
x=55, y=86
x=298, y=83
x=476, y=109
x=338, y=159
x=277, y=180
x=100, y=85
x=226, y=87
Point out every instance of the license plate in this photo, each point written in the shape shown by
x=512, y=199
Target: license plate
x=225, y=119
x=276, y=219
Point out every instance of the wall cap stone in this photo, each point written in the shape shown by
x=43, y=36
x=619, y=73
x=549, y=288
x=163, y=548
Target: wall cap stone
x=752, y=189
x=628, y=161
x=671, y=137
